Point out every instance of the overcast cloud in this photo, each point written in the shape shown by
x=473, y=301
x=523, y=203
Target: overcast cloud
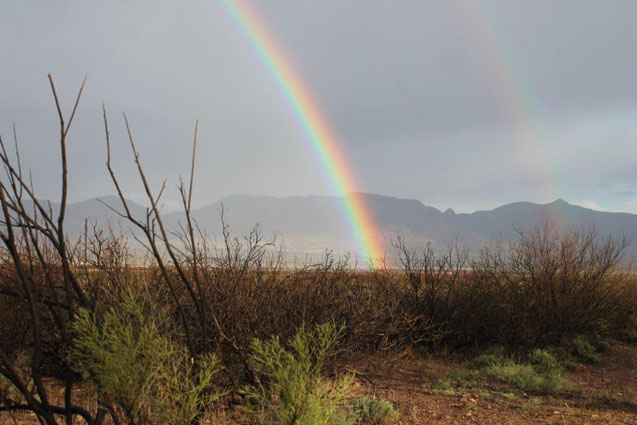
x=412, y=88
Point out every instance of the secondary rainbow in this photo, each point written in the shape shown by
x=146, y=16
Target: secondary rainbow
x=318, y=133
x=519, y=104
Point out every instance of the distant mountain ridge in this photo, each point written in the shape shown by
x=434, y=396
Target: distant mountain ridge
x=313, y=224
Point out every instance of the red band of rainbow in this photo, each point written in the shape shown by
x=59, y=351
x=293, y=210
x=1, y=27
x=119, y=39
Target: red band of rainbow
x=318, y=133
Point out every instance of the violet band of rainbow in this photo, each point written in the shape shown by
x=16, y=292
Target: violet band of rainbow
x=317, y=131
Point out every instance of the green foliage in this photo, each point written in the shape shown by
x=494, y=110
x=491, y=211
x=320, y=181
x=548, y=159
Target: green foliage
x=599, y=343
x=508, y=396
x=628, y=335
x=583, y=349
x=444, y=391
x=525, y=377
x=543, y=373
x=458, y=379
x=564, y=357
x=444, y=383
x=544, y=361
x=486, y=395
x=289, y=389
x=528, y=406
x=570, y=365
x=491, y=356
x=485, y=360
x=370, y=411
x=138, y=368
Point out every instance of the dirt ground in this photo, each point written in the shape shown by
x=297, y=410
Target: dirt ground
x=605, y=393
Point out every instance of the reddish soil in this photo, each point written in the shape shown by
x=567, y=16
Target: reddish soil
x=605, y=393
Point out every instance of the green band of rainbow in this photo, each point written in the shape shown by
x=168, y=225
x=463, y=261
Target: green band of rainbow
x=318, y=132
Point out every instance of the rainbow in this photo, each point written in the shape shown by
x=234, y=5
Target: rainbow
x=318, y=133
x=519, y=105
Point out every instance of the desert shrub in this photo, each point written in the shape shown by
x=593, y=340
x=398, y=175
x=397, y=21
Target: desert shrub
x=458, y=379
x=486, y=395
x=432, y=279
x=289, y=388
x=601, y=344
x=485, y=360
x=628, y=335
x=370, y=411
x=528, y=406
x=507, y=396
x=547, y=286
x=445, y=385
x=564, y=357
x=265, y=301
x=138, y=368
x=570, y=365
x=525, y=377
x=542, y=374
x=583, y=349
x=491, y=356
x=544, y=361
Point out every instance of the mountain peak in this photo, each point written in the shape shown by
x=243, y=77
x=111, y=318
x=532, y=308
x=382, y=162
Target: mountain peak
x=315, y=223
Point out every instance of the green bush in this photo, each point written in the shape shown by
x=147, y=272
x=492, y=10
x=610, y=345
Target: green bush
x=528, y=406
x=485, y=360
x=139, y=369
x=491, y=356
x=288, y=387
x=543, y=361
x=486, y=395
x=565, y=358
x=570, y=365
x=369, y=411
x=460, y=379
x=628, y=335
x=583, y=349
x=542, y=374
x=508, y=396
x=526, y=378
x=599, y=343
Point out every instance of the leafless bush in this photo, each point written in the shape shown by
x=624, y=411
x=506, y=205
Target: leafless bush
x=40, y=275
x=549, y=285
x=433, y=280
x=225, y=296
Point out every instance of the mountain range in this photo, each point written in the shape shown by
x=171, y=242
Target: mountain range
x=309, y=225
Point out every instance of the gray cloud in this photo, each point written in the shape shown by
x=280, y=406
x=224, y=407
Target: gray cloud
x=412, y=89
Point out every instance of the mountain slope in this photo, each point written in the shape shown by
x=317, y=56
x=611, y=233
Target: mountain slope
x=312, y=224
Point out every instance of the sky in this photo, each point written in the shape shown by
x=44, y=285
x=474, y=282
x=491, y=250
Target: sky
x=461, y=104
